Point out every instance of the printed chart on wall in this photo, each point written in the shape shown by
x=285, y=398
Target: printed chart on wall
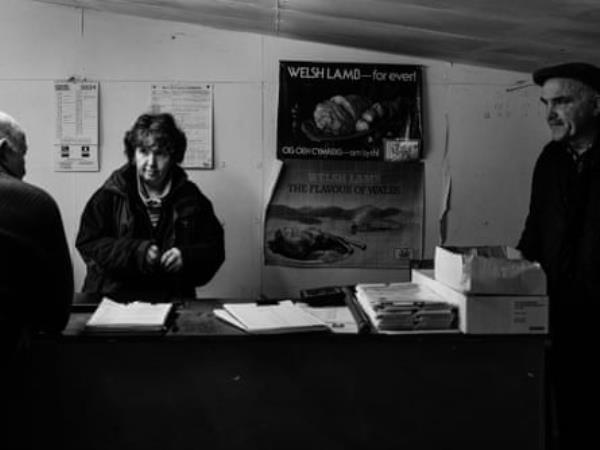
x=347, y=111
x=76, y=141
x=345, y=214
x=192, y=107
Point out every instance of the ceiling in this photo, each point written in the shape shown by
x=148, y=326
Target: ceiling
x=518, y=35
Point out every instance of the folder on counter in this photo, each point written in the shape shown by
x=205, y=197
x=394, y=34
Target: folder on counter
x=284, y=317
x=134, y=317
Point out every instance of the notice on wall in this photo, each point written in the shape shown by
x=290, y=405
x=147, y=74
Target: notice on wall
x=76, y=141
x=347, y=111
x=345, y=214
x=192, y=107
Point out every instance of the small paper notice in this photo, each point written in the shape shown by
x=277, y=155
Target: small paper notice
x=76, y=140
x=192, y=108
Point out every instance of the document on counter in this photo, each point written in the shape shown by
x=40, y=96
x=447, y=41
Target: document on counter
x=284, y=317
x=338, y=318
x=138, y=316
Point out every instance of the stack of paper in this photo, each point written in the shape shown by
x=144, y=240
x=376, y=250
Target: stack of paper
x=284, y=317
x=401, y=307
x=134, y=317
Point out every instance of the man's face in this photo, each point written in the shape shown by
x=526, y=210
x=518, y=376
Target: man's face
x=14, y=158
x=572, y=109
x=153, y=163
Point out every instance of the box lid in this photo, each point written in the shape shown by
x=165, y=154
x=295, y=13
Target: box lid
x=488, y=270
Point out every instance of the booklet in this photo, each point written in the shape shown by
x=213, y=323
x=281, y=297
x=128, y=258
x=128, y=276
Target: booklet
x=137, y=316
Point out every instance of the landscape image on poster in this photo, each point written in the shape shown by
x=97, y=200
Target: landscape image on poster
x=321, y=216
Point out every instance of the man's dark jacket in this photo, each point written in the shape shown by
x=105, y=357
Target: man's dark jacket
x=562, y=230
x=115, y=234
x=36, y=275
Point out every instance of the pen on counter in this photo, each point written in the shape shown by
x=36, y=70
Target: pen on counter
x=359, y=315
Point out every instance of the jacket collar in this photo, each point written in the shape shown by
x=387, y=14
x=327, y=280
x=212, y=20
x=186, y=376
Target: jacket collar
x=593, y=154
x=123, y=180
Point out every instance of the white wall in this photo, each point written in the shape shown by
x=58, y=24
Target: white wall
x=490, y=132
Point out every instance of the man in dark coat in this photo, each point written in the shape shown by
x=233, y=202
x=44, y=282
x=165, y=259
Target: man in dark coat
x=149, y=233
x=562, y=232
x=36, y=280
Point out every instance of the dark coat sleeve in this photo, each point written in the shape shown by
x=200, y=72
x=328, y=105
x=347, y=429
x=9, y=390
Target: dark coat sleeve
x=529, y=244
x=203, y=251
x=100, y=241
x=54, y=315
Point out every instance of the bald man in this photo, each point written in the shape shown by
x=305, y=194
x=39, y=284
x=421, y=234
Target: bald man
x=34, y=249
x=36, y=277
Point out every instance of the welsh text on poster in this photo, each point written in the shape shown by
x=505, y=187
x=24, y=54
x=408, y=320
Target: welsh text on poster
x=347, y=111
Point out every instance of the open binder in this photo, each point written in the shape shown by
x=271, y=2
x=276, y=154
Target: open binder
x=135, y=317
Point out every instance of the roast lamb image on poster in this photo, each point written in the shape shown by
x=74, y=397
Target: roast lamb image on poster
x=349, y=111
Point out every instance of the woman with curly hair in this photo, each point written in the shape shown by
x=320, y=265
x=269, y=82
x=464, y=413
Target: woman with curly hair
x=149, y=232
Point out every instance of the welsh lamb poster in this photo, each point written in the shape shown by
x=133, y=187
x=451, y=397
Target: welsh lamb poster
x=345, y=214
x=347, y=111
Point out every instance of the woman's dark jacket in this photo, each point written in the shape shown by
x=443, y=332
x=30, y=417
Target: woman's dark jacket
x=115, y=234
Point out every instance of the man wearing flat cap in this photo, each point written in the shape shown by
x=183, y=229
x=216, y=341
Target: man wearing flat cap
x=562, y=232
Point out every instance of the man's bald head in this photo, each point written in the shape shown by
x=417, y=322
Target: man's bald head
x=13, y=146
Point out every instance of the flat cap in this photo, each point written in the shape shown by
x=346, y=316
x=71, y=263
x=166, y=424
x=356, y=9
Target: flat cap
x=584, y=72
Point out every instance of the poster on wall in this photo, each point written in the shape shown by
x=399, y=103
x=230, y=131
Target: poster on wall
x=345, y=214
x=76, y=138
x=347, y=111
x=192, y=107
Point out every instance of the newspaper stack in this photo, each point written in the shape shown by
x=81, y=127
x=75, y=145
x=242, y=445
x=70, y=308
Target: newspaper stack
x=405, y=307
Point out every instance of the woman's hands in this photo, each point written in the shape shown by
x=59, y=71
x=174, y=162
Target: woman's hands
x=170, y=261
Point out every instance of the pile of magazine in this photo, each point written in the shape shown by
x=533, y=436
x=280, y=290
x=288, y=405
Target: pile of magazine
x=406, y=307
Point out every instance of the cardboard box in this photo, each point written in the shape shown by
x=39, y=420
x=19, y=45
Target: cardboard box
x=491, y=314
x=488, y=270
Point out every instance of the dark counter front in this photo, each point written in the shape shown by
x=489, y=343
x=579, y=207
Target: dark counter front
x=209, y=386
